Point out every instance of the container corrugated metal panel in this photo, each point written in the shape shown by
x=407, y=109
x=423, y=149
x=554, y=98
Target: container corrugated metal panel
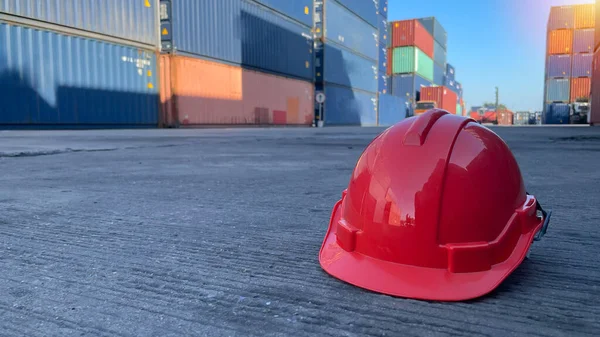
x=450, y=72
x=382, y=86
x=561, y=17
x=438, y=75
x=583, y=41
x=585, y=16
x=597, y=24
x=557, y=114
x=343, y=67
x=390, y=61
x=582, y=65
x=451, y=84
x=439, y=54
x=560, y=41
x=580, y=88
x=384, y=34
x=411, y=33
x=445, y=98
x=412, y=60
x=459, y=109
x=129, y=20
x=559, y=66
x=242, y=32
x=54, y=79
x=383, y=8
x=345, y=106
x=391, y=109
x=595, y=107
x=202, y=92
x=558, y=90
x=435, y=28
x=345, y=28
x=383, y=58
x=299, y=10
x=409, y=86
x=366, y=9
x=521, y=118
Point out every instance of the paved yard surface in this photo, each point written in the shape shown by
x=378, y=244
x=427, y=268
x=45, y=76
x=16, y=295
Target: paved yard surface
x=216, y=233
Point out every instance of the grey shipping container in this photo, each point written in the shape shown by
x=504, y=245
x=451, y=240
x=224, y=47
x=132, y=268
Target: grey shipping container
x=345, y=28
x=299, y=10
x=408, y=86
x=438, y=74
x=345, y=106
x=366, y=9
x=435, y=28
x=240, y=32
x=439, y=54
x=50, y=79
x=131, y=20
x=338, y=65
x=583, y=41
x=558, y=90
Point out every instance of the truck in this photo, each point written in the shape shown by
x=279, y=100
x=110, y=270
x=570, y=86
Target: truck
x=579, y=113
x=423, y=106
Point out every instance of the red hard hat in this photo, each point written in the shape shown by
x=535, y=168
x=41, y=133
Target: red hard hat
x=435, y=209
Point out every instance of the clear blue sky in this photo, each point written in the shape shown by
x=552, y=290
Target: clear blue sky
x=492, y=43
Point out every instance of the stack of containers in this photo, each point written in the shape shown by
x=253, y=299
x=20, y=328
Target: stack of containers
x=84, y=67
x=594, y=116
x=236, y=62
x=570, y=46
x=390, y=109
x=347, y=55
x=410, y=59
x=440, y=44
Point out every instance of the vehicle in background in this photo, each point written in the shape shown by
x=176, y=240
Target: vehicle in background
x=423, y=106
x=579, y=113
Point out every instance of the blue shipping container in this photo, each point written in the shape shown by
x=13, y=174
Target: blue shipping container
x=347, y=29
x=451, y=84
x=450, y=72
x=582, y=65
x=435, y=28
x=557, y=114
x=383, y=8
x=49, y=78
x=299, y=10
x=345, y=106
x=391, y=109
x=559, y=65
x=343, y=67
x=382, y=85
x=438, y=75
x=558, y=90
x=129, y=20
x=384, y=33
x=583, y=41
x=242, y=32
x=561, y=17
x=439, y=54
x=366, y=9
x=383, y=58
x=408, y=86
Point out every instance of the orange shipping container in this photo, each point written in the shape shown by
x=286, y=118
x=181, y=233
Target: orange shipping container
x=505, y=117
x=580, y=87
x=585, y=16
x=389, y=62
x=200, y=92
x=560, y=41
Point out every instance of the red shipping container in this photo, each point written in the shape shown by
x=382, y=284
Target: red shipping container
x=200, y=92
x=594, y=117
x=445, y=98
x=580, y=87
x=411, y=33
x=560, y=41
x=505, y=117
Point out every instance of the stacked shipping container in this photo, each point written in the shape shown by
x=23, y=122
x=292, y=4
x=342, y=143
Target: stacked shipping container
x=220, y=56
x=569, y=55
x=594, y=116
x=347, y=58
x=78, y=67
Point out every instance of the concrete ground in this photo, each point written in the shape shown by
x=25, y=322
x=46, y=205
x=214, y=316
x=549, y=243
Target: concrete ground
x=217, y=232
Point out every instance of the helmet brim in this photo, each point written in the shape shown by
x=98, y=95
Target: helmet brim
x=411, y=281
